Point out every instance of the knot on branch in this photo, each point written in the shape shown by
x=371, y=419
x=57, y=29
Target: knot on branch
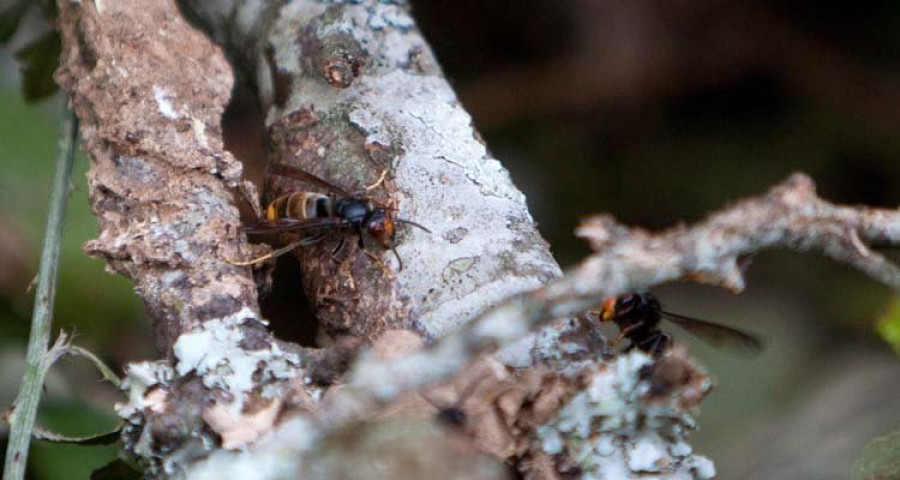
x=338, y=57
x=797, y=190
x=603, y=230
x=340, y=72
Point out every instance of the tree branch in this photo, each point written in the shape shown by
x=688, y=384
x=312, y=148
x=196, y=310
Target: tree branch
x=150, y=102
x=626, y=259
x=351, y=89
x=790, y=215
x=150, y=92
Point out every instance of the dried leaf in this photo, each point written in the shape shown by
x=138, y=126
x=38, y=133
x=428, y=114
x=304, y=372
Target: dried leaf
x=240, y=429
x=118, y=469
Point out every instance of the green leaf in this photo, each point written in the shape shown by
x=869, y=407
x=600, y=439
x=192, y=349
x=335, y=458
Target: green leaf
x=40, y=59
x=880, y=459
x=117, y=470
x=51, y=460
x=889, y=326
x=10, y=18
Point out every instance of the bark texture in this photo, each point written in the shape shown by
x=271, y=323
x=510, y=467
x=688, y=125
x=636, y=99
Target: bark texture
x=150, y=91
x=351, y=90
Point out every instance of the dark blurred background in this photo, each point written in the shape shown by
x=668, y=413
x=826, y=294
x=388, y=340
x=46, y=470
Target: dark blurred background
x=655, y=111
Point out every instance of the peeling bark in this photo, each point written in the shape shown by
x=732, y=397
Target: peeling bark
x=150, y=91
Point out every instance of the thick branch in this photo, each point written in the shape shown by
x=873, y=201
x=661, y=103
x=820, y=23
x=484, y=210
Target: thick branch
x=150, y=92
x=351, y=89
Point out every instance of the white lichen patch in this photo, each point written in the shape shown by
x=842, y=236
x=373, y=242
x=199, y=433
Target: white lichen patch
x=429, y=116
x=456, y=184
x=248, y=16
x=164, y=103
x=566, y=354
x=648, y=455
x=519, y=353
x=393, y=16
x=282, y=37
x=497, y=326
x=199, y=129
x=612, y=430
x=139, y=378
x=214, y=352
x=702, y=467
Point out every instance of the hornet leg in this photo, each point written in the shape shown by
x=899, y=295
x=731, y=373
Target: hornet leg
x=273, y=254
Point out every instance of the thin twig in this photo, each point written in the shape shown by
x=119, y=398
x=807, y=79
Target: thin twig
x=790, y=215
x=107, y=373
x=102, y=438
x=24, y=410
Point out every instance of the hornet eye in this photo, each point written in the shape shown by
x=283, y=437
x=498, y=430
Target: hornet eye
x=626, y=302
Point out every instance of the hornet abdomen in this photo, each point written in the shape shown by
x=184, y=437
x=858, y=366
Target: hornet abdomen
x=300, y=206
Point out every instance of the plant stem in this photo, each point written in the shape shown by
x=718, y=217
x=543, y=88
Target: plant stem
x=24, y=410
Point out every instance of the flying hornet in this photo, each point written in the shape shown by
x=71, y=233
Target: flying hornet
x=638, y=316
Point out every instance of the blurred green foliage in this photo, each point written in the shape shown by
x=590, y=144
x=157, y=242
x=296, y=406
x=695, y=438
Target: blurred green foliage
x=889, y=326
x=98, y=306
x=101, y=308
x=73, y=418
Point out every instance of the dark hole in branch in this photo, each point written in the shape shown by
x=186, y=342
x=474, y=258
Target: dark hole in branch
x=285, y=304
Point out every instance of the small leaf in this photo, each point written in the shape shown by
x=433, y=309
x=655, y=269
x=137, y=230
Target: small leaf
x=889, y=326
x=880, y=459
x=118, y=469
x=10, y=18
x=40, y=59
x=104, y=438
